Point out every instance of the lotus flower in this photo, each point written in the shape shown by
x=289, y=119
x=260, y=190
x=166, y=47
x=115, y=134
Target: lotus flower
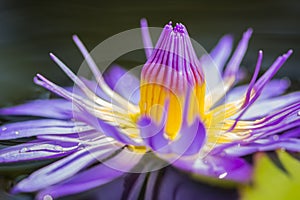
x=187, y=112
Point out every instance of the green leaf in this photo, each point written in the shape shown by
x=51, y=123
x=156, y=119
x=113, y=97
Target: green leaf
x=274, y=157
x=270, y=182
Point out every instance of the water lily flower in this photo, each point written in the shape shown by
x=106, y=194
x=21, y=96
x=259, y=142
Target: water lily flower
x=183, y=112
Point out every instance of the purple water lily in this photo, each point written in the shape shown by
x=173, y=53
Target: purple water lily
x=183, y=112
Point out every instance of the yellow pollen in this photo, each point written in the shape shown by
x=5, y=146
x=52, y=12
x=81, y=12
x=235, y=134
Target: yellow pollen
x=137, y=149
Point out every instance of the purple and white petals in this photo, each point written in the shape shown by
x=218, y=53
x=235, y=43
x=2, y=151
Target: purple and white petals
x=153, y=135
x=99, y=77
x=36, y=150
x=264, y=107
x=148, y=46
x=112, y=131
x=123, y=83
x=64, y=168
x=89, y=179
x=186, y=144
x=41, y=127
x=101, y=174
x=273, y=88
x=192, y=139
x=272, y=143
x=277, y=122
x=218, y=87
x=213, y=63
x=236, y=59
x=222, y=167
x=50, y=108
x=222, y=51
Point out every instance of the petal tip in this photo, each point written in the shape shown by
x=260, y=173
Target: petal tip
x=290, y=51
x=248, y=33
x=75, y=38
x=52, y=56
x=144, y=22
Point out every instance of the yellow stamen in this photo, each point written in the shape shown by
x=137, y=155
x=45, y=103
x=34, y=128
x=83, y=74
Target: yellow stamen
x=155, y=96
x=137, y=149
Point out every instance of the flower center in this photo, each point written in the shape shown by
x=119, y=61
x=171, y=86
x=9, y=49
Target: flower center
x=172, y=70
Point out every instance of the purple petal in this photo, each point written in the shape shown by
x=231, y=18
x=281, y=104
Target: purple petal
x=222, y=51
x=281, y=121
x=79, y=83
x=92, y=85
x=264, y=107
x=293, y=133
x=112, y=131
x=273, y=88
x=215, y=86
x=214, y=62
x=212, y=75
x=52, y=108
x=82, y=138
x=98, y=76
x=278, y=115
x=247, y=100
x=153, y=135
x=191, y=140
x=263, y=80
x=63, y=169
x=36, y=150
x=268, y=75
x=271, y=144
x=86, y=180
x=235, y=61
x=123, y=82
x=222, y=167
x=260, y=84
x=41, y=127
x=94, y=177
x=40, y=123
x=148, y=46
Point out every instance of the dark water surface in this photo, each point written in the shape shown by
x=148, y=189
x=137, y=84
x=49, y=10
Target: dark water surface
x=29, y=30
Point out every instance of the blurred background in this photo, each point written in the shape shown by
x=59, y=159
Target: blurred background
x=29, y=30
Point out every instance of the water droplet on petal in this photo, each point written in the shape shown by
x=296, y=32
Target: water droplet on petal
x=23, y=150
x=298, y=113
x=275, y=137
x=17, y=132
x=223, y=175
x=4, y=128
x=47, y=197
x=58, y=148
